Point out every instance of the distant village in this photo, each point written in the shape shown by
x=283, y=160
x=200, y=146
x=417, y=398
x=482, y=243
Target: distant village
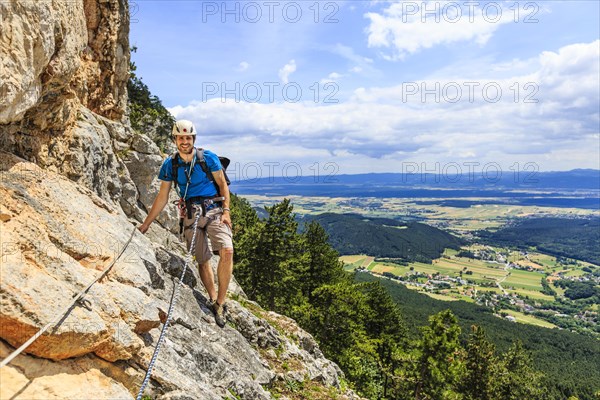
x=443, y=284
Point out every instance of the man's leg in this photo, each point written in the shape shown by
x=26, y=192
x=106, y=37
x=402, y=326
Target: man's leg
x=222, y=243
x=224, y=271
x=208, y=279
x=203, y=254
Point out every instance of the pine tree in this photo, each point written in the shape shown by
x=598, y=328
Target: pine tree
x=322, y=264
x=275, y=260
x=439, y=362
x=338, y=324
x=518, y=378
x=386, y=328
x=246, y=229
x=338, y=316
x=481, y=374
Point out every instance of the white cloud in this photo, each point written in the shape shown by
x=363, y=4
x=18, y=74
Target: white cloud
x=408, y=27
x=360, y=64
x=332, y=77
x=381, y=124
x=286, y=71
x=243, y=66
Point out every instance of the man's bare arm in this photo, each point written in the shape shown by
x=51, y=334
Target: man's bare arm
x=224, y=191
x=162, y=198
x=223, y=188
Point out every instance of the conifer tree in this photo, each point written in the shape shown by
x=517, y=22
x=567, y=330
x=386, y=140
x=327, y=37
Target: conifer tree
x=385, y=326
x=275, y=259
x=439, y=362
x=481, y=367
x=322, y=264
x=246, y=230
x=338, y=324
x=518, y=378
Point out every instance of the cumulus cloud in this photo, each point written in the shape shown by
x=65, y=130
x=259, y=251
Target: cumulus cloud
x=286, y=71
x=243, y=66
x=408, y=27
x=544, y=122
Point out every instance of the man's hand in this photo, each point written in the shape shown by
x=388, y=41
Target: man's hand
x=143, y=228
x=160, y=202
x=226, y=219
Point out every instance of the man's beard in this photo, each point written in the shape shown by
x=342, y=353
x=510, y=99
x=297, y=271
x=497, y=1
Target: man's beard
x=189, y=150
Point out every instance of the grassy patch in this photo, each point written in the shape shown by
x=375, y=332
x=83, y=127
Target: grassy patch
x=532, y=294
x=575, y=272
x=277, y=363
x=528, y=319
x=234, y=394
x=440, y=296
x=523, y=280
x=306, y=390
x=352, y=259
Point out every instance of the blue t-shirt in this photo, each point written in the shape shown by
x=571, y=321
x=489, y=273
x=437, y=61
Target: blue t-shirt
x=200, y=185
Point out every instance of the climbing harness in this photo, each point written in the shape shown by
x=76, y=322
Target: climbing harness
x=78, y=299
x=185, y=207
x=174, y=297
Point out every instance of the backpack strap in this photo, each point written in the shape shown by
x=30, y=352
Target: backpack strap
x=200, y=160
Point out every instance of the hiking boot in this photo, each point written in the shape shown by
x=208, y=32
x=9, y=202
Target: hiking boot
x=210, y=303
x=219, y=310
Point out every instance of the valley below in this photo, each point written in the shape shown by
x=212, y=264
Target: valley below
x=544, y=284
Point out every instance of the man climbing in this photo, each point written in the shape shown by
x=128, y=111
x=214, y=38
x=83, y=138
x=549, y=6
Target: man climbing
x=192, y=169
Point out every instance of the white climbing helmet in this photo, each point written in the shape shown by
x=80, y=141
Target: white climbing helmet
x=183, y=127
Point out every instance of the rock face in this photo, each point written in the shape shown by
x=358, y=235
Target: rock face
x=74, y=181
x=52, y=251
x=56, y=54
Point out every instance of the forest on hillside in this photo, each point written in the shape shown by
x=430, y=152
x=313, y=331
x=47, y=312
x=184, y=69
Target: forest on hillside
x=552, y=349
x=383, y=237
x=563, y=237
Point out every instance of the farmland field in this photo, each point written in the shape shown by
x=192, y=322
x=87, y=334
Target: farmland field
x=352, y=259
x=441, y=297
x=533, y=294
x=521, y=282
x=457, y=219
x=524, y=280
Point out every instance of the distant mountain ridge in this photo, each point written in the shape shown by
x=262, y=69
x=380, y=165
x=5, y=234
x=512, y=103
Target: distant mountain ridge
x=578, y=188
x=583, y=179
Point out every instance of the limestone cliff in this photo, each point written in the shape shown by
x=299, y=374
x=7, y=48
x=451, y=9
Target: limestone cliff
x=74, y=181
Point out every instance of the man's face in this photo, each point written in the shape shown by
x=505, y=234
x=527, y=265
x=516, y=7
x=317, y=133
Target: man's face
x=185, y=143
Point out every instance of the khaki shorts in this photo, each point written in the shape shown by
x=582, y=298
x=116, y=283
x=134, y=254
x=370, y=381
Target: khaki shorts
x=220, y=235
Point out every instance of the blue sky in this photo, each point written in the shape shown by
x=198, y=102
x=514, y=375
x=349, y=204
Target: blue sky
x=379, y=86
